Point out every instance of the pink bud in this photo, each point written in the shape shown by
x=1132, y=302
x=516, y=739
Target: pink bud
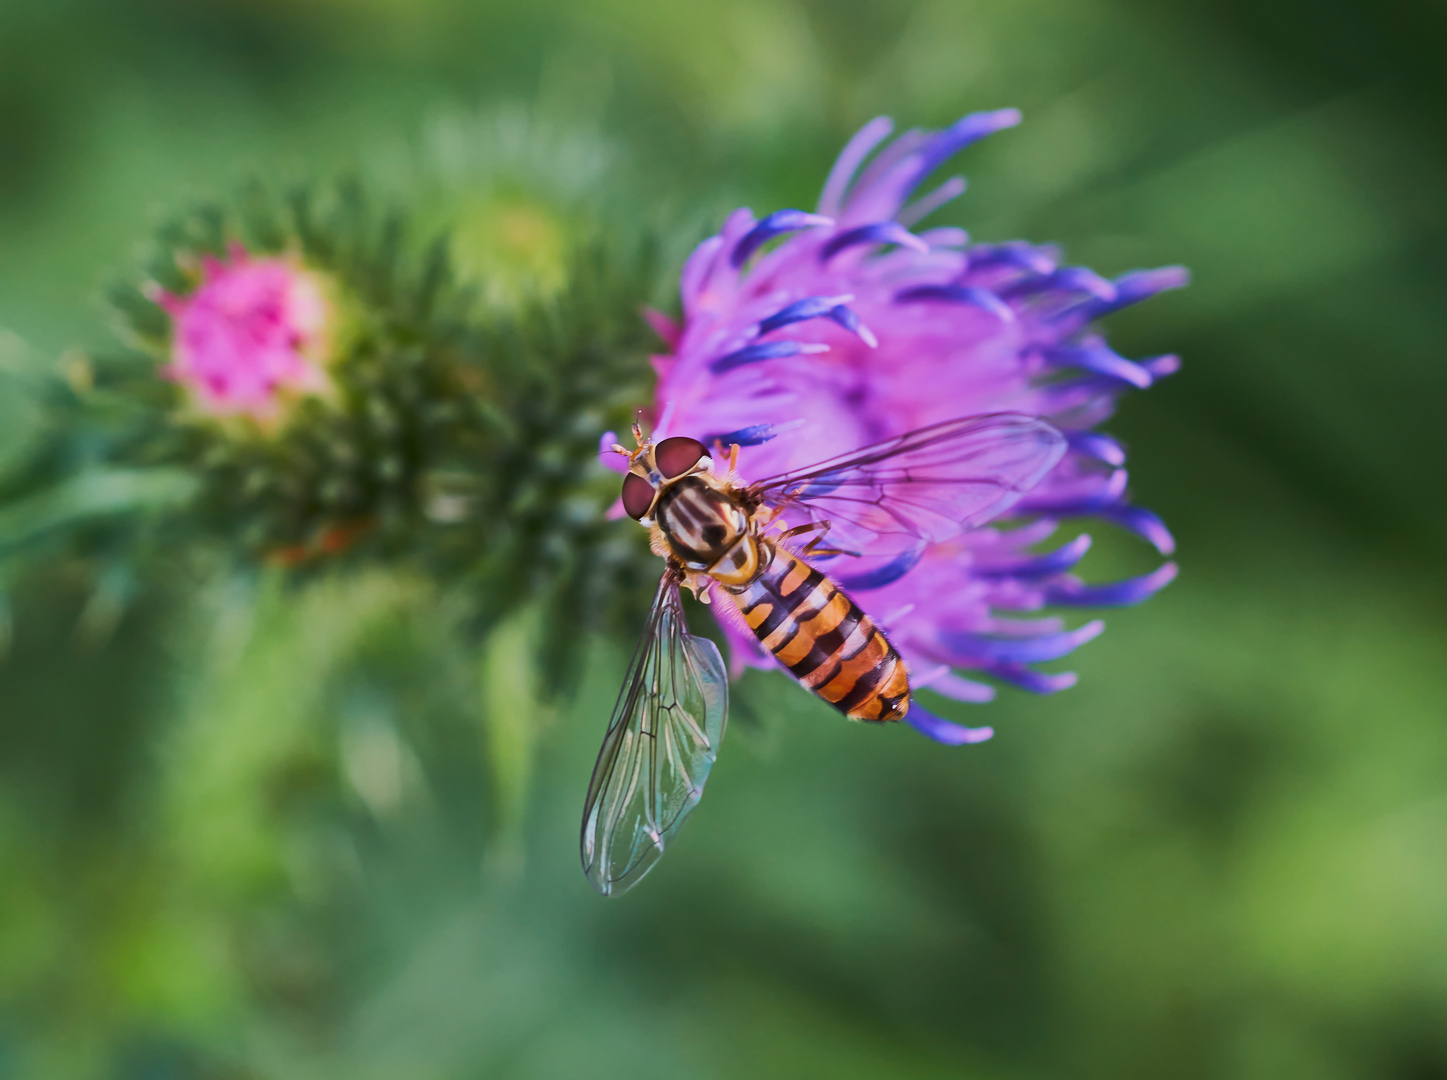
x=254, y=333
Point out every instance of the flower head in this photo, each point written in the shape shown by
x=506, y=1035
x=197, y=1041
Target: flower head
x=333, y=395
x=325, y=373
x=853, y=329
x=253, y=333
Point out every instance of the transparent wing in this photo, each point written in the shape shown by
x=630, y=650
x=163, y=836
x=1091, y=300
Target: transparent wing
x=662, y=740
x=919, y=488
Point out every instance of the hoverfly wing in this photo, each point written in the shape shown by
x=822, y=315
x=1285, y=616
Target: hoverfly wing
x=662, y=740
x=921, y=487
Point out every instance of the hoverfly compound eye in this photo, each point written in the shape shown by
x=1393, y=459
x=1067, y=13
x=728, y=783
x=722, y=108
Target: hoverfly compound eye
x=637, y=495
x=677, y=455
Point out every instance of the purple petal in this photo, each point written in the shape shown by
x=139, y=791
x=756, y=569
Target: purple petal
x=1106, y=496
x=882, y=232
x=755, y=435
x=847, y=318
x=896, y=185
x=697, y=268
x=1115, y=594
x=1081, y=279
x=983, y=299
x=1143, y=523
x=1038, y=566
x=955, y=688
x=1139, y=285
x=946, y=236
x=1037, y=682
x=881, y=576
x=953, y=139
x=1106, y=506
x=1014, y=253
x=1096, y=445
x=665, y=327
x=847, y=164
x=1101, y=360
x=1066, y=279
x=926, y=205
x=870, y=197
x=1161, y=366
x=776, y=224
x=1066, y=508
x=809, y=308
x=768, y=350
x=941, y=730
x=610, y=458
x=975, y=649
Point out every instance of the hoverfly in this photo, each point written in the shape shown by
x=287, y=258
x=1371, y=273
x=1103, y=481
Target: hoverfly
x=885, y=502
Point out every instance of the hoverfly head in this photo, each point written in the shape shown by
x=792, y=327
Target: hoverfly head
x=653, y=466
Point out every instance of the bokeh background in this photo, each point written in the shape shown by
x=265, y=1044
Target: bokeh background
x=318, y=834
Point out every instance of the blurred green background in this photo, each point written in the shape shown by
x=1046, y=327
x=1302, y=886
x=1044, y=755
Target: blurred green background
x=257, y=834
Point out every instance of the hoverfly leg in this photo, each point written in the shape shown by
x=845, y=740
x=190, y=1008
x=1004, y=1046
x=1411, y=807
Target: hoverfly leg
x=798, y=530
x=698, y=584
x=820, y=527
x=812, y=547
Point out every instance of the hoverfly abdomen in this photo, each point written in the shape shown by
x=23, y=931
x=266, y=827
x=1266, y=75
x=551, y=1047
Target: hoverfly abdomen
x=824, y=639
x=700, y=522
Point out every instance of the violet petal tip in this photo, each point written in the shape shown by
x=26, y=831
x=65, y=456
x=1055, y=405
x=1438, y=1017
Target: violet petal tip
x=944, y=731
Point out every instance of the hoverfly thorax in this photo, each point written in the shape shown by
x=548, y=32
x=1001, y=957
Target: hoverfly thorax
x=700, y=522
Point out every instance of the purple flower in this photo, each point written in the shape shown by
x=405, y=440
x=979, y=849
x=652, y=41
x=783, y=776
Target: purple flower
x=253, y=333
x=808, y=335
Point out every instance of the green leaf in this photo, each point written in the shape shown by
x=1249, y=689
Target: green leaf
x=89, y=496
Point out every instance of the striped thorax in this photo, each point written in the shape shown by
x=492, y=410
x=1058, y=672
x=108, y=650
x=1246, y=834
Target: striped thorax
x=707, y=529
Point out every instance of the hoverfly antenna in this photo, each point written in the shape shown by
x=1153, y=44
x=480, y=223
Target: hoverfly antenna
x=643, y=445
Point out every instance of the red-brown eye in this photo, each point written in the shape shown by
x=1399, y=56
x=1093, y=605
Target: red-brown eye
x=637, y=495
x=677, y=455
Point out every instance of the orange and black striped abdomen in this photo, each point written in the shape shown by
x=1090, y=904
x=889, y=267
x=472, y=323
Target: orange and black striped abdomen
x=824, y=640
